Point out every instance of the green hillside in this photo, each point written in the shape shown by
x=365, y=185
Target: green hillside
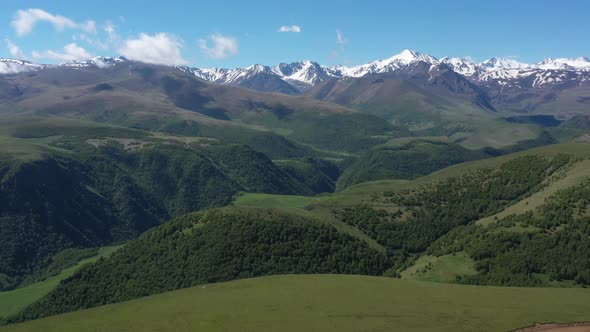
x=404, y=221
x=318, y=174
x=165, y=99
x=549, y=242
x=211, y=246
x=328, y=303
x=406, y=159
x=62, y=266
x=427, y=110
x=74, y=184
x=457, y=221
x=132, y=180
x=362, y=193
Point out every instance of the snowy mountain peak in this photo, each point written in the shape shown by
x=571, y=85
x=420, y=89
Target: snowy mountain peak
x=15, y=61
x=462, y=66
x=396, y=62
x=257, y=68
x=581, y=63
x=302, y=73
x=98, y=61
x=503, y=63
x=408, y=56
x=13, y=66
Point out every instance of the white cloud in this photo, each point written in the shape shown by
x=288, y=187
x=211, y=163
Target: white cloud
x=290, y=28
x=72, y=52
x=24, y=21
x=14, y=50
x=161, y=48
x=340, y=39
x=223, y=46
x=95, y=42
x=111, y=41
x=110, y=29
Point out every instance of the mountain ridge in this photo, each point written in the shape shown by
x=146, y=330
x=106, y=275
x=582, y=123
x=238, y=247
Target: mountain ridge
x=304, y=74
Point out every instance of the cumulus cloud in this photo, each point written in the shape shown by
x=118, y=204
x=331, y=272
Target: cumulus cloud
x=14, y=50
x=221, y=46
x=71, y=52
x=290, y=28
x=161, y=48
x=340, y=39
x=25, y=20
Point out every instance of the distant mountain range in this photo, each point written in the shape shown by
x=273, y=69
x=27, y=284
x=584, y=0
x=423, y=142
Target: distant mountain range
x=302, y=75
x=410, y=88
x=297, y=77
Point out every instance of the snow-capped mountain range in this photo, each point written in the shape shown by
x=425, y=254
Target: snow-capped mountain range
x=14, y=66
x=501, y=71
x=509, y=72
x=305, y=74
x=99, y=61
x=301, y=75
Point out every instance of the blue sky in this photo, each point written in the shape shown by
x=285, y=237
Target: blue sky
x=240, y=33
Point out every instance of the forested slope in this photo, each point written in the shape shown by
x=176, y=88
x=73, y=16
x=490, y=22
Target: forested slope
x=212, y=246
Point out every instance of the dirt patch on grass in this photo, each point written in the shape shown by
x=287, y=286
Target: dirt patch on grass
x=555, y=327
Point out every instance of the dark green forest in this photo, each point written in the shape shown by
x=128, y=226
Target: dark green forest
x=109, y=195
x=212, y=246
x=524, y=250
x=431, y=219
x=407, y=161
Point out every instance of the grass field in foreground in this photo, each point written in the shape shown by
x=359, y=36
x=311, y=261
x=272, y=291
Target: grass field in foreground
x=12, y=302
x=328, y=303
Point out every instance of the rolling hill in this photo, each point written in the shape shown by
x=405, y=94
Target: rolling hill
x=511, y=204
x=427, y=108
x=407, y=159
x=70, y=184
x=426, y=227
x=324, y=303
x=167, y=99
x=368, y=218
x=212, y=246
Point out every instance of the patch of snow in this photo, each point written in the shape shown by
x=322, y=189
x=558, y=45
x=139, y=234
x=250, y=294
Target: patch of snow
x=14, y=66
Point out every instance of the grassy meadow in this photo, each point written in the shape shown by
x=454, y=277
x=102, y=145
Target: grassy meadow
x=328, y=303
